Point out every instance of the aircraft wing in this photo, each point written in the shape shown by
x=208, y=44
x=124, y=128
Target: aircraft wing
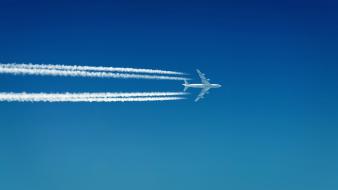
x=203, y=78
x=202, y=93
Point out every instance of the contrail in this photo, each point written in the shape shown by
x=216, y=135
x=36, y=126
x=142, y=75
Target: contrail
x=75, y=73
x=92, y=94
x=91, y=97
x=91, y=68
x=136, y=99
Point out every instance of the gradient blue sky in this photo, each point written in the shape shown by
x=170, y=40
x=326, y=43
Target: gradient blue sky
x=273, y=124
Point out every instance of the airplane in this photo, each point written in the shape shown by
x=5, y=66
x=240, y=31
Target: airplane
x=205, y=85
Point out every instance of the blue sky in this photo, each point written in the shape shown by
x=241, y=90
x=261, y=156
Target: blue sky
x=273, y=124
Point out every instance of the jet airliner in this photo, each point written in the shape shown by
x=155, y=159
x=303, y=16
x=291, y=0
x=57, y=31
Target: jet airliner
x=205, y=86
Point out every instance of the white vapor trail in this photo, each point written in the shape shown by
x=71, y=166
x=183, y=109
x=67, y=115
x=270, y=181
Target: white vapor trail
x=136, y=99
x=91, y=97
x=76, y=73
x=91, y=68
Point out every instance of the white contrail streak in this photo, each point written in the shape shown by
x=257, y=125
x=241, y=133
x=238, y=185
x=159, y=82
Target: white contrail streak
x=92, y=94
x=136, y=99
x=75, y=73
x=90, y=97
x=91, y=68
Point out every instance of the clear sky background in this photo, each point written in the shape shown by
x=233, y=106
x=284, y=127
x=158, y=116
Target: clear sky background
x=273, y=124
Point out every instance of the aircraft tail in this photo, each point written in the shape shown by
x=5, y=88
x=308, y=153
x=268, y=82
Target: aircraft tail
x=185, y=85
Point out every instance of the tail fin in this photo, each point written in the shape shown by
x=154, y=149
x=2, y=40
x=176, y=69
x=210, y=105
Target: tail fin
x=186, y=87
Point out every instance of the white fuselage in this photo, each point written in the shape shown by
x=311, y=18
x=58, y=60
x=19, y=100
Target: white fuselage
x=202, y=85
